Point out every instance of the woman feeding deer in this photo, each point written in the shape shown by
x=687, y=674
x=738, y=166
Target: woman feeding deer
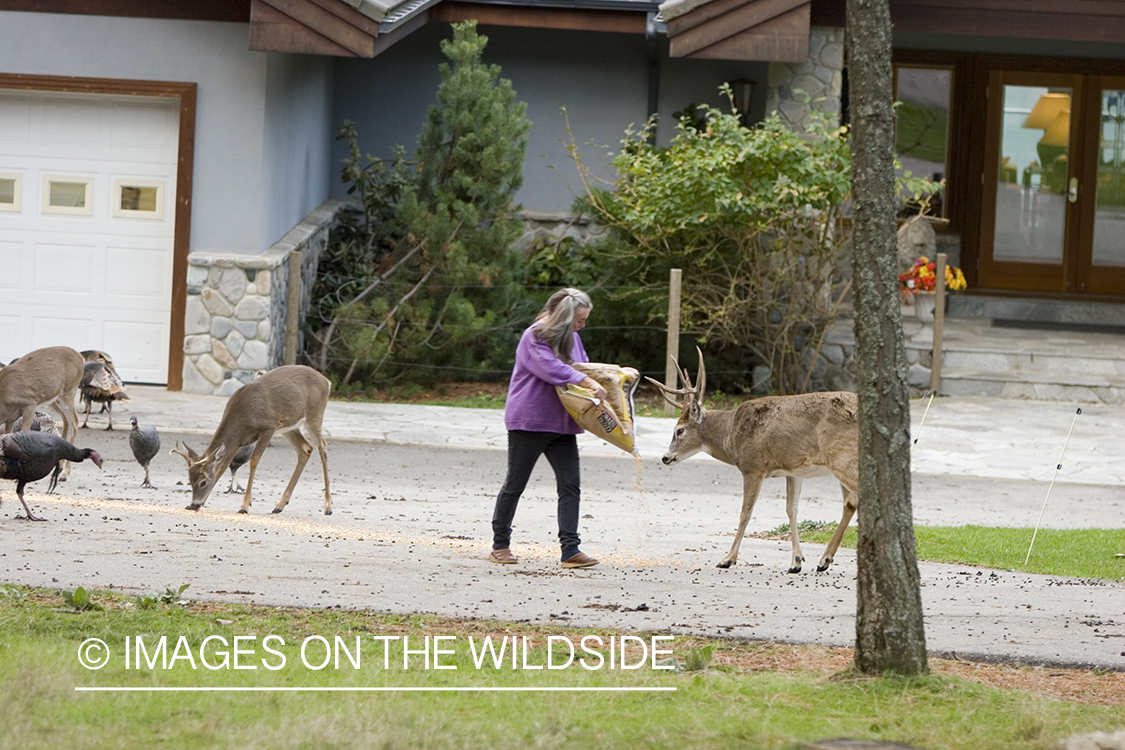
x=539, y=425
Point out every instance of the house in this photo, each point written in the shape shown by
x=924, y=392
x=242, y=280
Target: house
x=168, y=170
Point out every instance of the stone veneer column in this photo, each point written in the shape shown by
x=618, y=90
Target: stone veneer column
x=821, y=78
x=234, y=322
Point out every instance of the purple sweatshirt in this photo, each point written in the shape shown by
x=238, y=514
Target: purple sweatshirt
x=533, y=404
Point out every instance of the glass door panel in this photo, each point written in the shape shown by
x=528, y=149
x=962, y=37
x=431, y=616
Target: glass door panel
x=1032, y=175
x=1028, y=212
x=1100, y=265
x=1109, y=214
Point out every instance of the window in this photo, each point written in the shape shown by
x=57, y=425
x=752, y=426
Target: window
x=10, y=189
x=138, y=199
x=922, y=128
x=68, y=195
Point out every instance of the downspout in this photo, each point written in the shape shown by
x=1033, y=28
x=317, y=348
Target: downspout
x=652, y=43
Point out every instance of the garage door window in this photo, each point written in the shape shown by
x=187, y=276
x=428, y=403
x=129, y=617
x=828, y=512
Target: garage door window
x=138, y=199
x=10, y=192
x=68, y=195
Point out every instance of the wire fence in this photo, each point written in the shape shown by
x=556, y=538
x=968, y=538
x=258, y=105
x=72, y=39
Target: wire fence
x=649, y=337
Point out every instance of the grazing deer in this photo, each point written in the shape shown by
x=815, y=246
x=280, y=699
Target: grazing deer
x=289, y=401
x=797, y=437
x=40, y=379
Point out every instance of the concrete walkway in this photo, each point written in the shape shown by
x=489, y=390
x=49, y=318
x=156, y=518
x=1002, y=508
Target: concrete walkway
x=413, y=488
x=963, y=436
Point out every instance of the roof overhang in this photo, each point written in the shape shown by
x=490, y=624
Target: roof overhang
x=313, y=27
x=766, y=30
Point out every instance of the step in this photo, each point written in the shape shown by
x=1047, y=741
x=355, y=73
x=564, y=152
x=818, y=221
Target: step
x=1032, y=363
x=1059, y=314
x=1073, y=387
x=981, y=359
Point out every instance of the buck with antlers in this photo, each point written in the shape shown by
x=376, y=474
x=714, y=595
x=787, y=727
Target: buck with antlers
x=798, y=437
x=287, y=401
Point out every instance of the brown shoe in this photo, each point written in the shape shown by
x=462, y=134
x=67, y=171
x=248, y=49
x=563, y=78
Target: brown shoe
x=579, y=560
x=503, y=557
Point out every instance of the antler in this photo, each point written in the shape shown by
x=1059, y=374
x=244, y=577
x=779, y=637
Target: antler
x=182, y=449
x=689, y=391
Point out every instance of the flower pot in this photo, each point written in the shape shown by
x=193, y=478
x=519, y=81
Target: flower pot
x=924, y=305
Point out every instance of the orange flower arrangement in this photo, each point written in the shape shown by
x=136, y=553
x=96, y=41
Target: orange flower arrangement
x=922, y=278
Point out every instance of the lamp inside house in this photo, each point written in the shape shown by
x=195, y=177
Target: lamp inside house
x=1047, y=110
x=1058, y=132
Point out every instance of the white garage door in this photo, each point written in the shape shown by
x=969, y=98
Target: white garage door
x=87, y=217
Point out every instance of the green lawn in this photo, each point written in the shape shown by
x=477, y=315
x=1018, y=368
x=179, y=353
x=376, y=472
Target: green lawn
x=711, y=708
x=1078, y=553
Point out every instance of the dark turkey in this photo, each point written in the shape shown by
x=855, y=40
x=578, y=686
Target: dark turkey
x=145, y=443
x=100, y=383
x=239, y=460
x=28, y=456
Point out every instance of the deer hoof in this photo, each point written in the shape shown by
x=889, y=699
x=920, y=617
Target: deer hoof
x=276, y=510
x=823, y=565
x=794, y=569
x=725, y=564
x=328, y=512
x=194, y=507
x=243, y=511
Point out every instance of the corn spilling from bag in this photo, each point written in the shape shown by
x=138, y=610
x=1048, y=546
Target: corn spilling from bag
x=611, y=418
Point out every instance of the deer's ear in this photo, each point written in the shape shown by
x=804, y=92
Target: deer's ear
x=694, y=411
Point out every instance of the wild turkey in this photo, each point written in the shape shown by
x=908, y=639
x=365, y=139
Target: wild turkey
x=28, y=456
x=145, y=443
x=41, y=423
x=239, y=460
x=100, y=383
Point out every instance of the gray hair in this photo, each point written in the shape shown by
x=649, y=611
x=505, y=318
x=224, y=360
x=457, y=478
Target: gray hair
x=556, y=320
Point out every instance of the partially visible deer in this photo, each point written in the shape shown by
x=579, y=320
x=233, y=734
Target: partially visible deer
x=797, y=437
x=44, y=378
x=287, y=401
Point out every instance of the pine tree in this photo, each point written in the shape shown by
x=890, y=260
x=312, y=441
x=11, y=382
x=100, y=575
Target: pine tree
x=470, y=158
x=446, y=305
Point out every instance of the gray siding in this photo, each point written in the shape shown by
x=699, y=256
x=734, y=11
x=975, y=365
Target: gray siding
x=601, y=79
x=262, y=134
x=297, y=145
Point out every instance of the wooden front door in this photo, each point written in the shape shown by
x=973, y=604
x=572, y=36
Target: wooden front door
x=1053, y=206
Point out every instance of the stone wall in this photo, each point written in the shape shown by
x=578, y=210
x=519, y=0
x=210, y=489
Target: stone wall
x=549, y=227
x=236, y=306
x=821, y=78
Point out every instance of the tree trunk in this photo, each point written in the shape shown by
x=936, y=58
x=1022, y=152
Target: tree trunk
x=889, y=631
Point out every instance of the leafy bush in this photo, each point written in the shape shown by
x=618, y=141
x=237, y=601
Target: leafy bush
x=751, y=216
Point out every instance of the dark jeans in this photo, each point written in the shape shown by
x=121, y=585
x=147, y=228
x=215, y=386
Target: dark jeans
x=524, y=450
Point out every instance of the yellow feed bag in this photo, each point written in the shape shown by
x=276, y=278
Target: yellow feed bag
x=611, y=418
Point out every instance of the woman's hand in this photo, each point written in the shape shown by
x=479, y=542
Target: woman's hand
x=594, y=387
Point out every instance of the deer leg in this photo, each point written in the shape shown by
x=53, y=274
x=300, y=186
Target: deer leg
x=792, y=499
x=304, y=450
x=850, y=502
x=322, y=448
x=750, y=486
x=64, y=405
x=263, y=443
